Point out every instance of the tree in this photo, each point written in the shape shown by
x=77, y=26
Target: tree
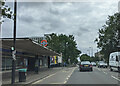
x=64, y=44
x=108, y=35
x=85, y=57
x=5, y=11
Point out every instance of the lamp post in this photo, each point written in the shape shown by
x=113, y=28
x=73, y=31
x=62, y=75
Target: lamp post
x=91, y=49
x=88, y=52
x=14, y=44
x=65, y=48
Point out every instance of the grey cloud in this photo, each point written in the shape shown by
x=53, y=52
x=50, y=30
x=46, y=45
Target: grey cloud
x=27, y=19
x=81, y=19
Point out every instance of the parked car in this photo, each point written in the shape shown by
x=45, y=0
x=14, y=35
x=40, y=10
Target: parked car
x=114, y=61
x=93, y=63
x=86, y=66
x=102, y=64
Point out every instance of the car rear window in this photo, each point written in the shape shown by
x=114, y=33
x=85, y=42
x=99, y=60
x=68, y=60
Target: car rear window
x=85, y=62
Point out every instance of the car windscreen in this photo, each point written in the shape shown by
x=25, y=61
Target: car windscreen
x=101, y=62
x=93, y=62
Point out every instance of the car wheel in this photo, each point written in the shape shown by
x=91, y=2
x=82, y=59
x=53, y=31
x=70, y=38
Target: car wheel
x=111, y=69
x=119, y=69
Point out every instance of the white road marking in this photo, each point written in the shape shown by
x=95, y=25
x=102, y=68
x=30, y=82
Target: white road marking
x=44, y=78
x=65, y=82
x=98, y=69
x=115, y=77
x=55, y=83
x=104, y=72
x=69, y=75
x=67, y=78
x=53, y=75
x=101, y=70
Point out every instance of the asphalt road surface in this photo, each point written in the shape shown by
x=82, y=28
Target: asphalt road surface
x=74, y=76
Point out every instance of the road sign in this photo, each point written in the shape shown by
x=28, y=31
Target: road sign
x=44, y=42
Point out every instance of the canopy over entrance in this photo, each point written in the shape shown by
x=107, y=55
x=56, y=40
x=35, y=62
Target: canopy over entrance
x=29, y=46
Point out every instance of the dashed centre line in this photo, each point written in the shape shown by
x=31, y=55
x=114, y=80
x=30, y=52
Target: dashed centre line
x=69, y=76
x=98, y=69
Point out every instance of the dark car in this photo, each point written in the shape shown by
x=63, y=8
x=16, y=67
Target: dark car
x=85, y=66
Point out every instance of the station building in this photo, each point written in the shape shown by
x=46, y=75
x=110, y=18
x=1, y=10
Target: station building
x=29, y=54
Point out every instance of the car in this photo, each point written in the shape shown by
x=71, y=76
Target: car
x=85, y=66
x=93, y=63
x=114, y=61
x=102, y=64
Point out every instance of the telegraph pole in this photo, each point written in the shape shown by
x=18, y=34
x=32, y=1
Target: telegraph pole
x=14, y=44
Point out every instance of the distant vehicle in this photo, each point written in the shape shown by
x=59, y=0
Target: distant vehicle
x=114, y=61
x=102, y=64
x=93, y=63
x=85, y=65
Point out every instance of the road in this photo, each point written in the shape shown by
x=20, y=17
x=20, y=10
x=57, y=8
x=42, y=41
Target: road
x=74, y=76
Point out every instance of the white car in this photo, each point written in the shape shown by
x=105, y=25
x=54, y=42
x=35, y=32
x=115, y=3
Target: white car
x=102, y=64
x=93, y=63
x=114, y=61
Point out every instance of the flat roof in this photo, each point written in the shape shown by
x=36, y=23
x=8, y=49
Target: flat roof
x=27, y=45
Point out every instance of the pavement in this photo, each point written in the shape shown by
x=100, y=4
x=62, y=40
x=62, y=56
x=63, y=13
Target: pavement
x=31, y=76
x=60, y=77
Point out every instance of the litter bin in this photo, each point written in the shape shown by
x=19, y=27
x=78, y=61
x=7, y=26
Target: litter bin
x=22, y=75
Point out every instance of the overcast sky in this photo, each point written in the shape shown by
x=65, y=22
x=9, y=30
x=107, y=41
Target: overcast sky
x=81, y=19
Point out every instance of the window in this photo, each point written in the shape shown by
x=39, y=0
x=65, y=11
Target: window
x=112, y=59
x=6, y=63
x=119, y=57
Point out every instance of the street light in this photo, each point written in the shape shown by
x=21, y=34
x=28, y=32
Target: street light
x=65, y=47
x=91, y=49
x=88, y=52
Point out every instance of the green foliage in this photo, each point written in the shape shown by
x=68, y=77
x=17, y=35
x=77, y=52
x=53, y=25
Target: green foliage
x=109, y=35
x=64, y=44
x=85, y=57
x=5, y=10
x=94, y=59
